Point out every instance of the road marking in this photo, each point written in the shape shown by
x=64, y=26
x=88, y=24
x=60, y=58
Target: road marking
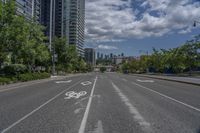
x=60, y=82
x=86, y=83
x=72, y=94
x=99, y=128
x=124, y=80
x=38, y=108
x=187, y=105
x=133, y=110
x=145, y=81
x=85, y=117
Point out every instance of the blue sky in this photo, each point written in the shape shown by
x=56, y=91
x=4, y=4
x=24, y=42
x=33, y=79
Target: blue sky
x=135, y=26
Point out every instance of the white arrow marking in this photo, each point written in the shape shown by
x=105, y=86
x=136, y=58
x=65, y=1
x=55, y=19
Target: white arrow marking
x=145, y=81
x=86, y=83
x=60, y=82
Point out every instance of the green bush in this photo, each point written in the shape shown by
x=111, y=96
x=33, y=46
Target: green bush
x=102, y=69
x=23, y=77
x=4, y=80
x=14, y=69
x=32, y=76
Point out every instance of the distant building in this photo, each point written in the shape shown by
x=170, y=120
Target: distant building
x=111, y=55
x=101, y=56
x=90, y=56
x=117, y=60
x=98, y=55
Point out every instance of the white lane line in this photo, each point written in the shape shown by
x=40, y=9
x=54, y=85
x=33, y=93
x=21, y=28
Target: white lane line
x=38, y=108
x=85, y=117
x=177, y=101
x=133, y=110
x=99, y=128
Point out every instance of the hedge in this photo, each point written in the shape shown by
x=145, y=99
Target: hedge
x=23, y=77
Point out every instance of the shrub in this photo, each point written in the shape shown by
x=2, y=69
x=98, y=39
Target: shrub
x=4, y=80
x=14, y=69
x=32, y=76
x=102, y=69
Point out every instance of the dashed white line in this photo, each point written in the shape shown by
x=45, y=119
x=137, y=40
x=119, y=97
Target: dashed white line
x=99, y=128
x=177, y=101
x=38, y=108
x=133, y=110
x=124, y=80
x=85, y=117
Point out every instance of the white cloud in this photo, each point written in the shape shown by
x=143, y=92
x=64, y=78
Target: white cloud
x=107, y=47
x=113, y=20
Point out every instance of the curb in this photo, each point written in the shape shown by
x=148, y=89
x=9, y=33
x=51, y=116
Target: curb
x=161, y=78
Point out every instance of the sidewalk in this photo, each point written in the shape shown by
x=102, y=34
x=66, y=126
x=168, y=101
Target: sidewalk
x=188, y=80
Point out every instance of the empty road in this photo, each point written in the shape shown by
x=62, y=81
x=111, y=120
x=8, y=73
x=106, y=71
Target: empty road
x=100, y=103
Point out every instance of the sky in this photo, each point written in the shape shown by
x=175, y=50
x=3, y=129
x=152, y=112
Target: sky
x=134, y=27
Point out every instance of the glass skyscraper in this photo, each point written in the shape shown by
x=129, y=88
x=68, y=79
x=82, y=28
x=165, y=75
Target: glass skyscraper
x=68, y=20
x=30, y=9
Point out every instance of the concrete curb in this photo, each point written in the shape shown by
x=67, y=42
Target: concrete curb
x=162, y=78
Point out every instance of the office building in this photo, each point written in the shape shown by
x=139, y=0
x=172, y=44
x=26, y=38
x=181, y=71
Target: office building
x=90, y=56
x=76, y=23
x=30, y=9
x=67, y=19
x=98, y=55
x=36, y=13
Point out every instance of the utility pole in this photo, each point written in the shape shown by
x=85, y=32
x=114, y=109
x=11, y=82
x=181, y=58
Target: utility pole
x=52, y=15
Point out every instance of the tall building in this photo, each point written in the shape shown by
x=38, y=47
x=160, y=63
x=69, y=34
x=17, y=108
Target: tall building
x=75, y=19
x=30, y=9
x=45, y=16
x=90, y=56
x=36, y=13
x=68, y=20
x=98, y=55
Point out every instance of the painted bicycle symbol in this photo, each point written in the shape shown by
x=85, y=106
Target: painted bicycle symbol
x=72, y=94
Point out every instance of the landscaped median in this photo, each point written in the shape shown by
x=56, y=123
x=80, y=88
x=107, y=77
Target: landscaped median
x=23, y=77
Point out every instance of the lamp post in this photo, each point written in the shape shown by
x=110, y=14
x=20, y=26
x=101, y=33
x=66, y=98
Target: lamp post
x=51, y=34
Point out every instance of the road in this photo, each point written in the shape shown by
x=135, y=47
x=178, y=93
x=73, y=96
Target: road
x=101, y=103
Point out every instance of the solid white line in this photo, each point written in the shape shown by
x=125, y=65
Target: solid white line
x=85, y=117
x=133, y=110
x=187, y=105
x=38, y=108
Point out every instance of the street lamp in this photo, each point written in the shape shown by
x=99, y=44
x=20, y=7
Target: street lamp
x=51, y=34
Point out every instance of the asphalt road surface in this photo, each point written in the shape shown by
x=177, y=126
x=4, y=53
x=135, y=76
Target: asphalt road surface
x=101, y=103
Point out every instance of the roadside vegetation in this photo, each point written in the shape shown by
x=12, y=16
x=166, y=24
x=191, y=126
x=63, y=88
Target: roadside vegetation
x=183, y=59
x=24, y=52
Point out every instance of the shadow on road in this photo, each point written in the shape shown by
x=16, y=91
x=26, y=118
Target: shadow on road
x=198, y=131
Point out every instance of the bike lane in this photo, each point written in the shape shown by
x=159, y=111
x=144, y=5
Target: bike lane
x=63, y=114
